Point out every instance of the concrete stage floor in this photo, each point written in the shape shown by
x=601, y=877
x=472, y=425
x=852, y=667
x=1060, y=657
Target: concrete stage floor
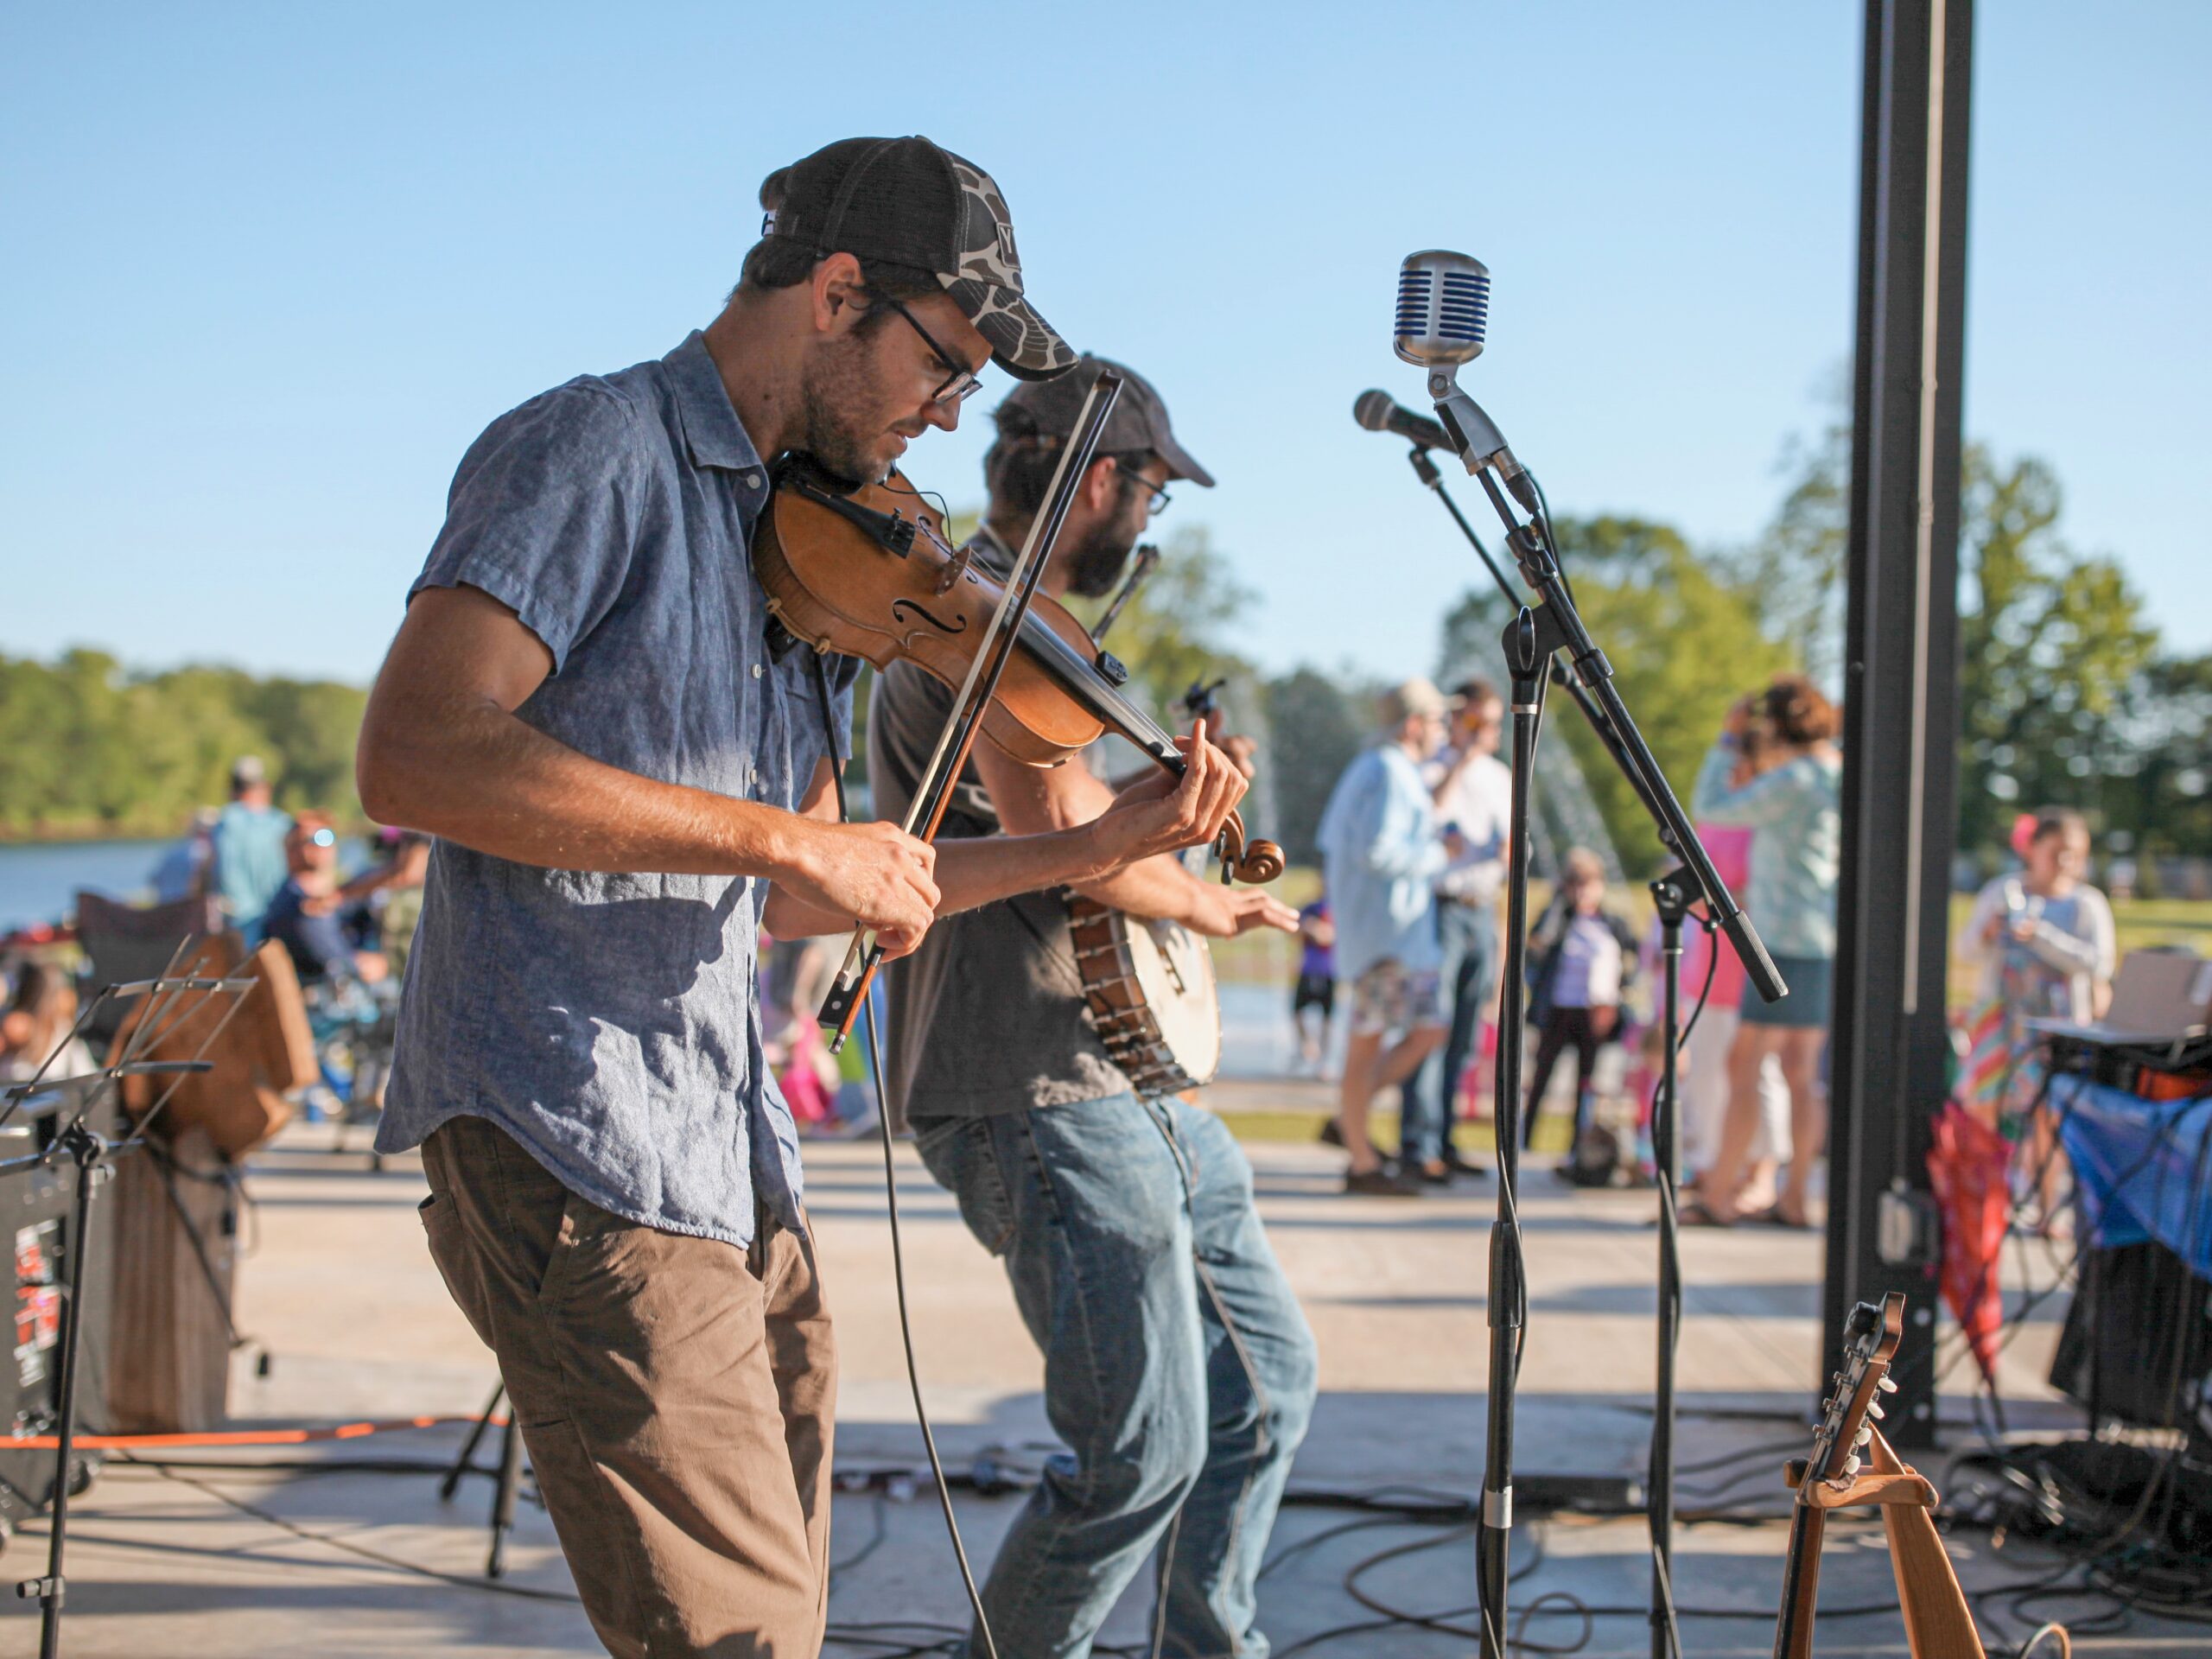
x=245, y=1562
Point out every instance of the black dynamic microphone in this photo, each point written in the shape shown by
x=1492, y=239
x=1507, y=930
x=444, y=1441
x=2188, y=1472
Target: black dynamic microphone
x=1379, y=412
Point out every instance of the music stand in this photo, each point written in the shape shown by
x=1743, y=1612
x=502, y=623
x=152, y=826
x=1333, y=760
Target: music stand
x=173, y=1001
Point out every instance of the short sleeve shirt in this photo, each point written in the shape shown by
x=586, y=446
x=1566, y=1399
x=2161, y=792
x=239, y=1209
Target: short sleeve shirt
x=611, y=1022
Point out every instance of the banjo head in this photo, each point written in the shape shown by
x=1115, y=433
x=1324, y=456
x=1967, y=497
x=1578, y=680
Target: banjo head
x=1150, y=988
x=1175, y=967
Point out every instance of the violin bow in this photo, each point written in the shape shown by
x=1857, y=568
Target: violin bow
x=848, y=991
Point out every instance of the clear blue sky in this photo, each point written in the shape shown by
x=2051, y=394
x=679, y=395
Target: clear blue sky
x=270, y=268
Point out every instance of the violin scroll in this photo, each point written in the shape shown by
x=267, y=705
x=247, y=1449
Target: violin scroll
x=1254, y=862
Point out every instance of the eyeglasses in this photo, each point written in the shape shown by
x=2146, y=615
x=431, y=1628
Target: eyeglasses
x=959, y=384
x=1156, y=501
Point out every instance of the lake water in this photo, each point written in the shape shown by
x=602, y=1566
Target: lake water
x=39, y=882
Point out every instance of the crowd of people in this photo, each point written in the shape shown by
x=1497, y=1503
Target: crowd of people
x=1414, y=852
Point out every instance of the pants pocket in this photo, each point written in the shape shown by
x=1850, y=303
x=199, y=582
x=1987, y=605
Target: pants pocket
x=458, y=1263
x=962, y=1159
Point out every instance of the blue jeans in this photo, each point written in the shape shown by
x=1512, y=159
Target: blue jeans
x=1467, y=934
x=1178, y=1370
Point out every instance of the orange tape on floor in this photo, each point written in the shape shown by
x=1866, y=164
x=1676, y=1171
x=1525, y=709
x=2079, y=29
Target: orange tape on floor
x=229, y=1437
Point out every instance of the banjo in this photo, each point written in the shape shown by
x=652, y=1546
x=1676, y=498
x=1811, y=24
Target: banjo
x=1150, y=987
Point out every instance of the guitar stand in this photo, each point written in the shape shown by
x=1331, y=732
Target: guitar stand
x=506, y=1479
x=1937, y=1621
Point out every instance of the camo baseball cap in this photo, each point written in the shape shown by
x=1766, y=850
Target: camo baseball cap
x=1139, y=420
x=907, y=202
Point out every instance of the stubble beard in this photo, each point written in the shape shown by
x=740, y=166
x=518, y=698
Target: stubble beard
x=835, y=383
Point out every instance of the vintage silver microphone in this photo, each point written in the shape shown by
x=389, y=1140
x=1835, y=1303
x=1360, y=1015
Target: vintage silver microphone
x=1443, y=316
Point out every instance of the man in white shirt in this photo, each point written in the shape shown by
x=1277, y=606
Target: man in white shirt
x=1473, y=793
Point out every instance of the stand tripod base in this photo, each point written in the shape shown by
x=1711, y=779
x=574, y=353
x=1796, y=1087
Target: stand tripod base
x=506, y=1478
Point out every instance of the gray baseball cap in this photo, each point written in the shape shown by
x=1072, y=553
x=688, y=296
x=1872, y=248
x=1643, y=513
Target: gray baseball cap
x=1139, y=420
x=907, y=202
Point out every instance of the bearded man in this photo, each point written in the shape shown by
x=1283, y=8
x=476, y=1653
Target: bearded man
x=1178, y=1368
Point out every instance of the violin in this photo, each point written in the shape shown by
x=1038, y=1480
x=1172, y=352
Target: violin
x=871, y=573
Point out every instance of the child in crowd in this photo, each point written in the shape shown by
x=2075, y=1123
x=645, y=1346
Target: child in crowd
x=1317, y=985
x=1581, y=959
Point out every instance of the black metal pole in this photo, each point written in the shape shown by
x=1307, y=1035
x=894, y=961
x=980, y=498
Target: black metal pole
x=84, y=1146
x=1525, y=656
x=1889, y=1051
x=1672, y=901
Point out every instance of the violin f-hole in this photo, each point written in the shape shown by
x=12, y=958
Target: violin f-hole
x=900, y=607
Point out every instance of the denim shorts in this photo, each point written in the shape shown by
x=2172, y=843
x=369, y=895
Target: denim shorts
x=1811, y=981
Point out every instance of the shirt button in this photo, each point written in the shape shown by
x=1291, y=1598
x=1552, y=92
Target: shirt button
x=752, y=481
x=756, y=671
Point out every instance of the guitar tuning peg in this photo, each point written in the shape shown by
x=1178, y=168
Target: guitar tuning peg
x=1850, y=1465
x=1865, y=1433
x=1874, y=1410
x=1886, y=1386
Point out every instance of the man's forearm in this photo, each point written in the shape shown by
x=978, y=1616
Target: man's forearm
x=1157, y=889
x=474, y=773
x=971, y=872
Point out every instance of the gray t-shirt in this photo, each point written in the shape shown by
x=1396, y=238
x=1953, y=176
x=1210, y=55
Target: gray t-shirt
x=989, y=1016
x=611, y=1023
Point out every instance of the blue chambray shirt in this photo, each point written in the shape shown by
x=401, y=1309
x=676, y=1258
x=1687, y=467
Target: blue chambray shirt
x=1381, y=850
x=611, y=1024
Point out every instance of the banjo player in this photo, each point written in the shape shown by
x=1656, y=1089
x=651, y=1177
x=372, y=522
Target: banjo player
x=1178, y=1368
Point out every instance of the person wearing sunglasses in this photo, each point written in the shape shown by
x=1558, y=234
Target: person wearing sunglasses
x=309, y=917
x=626, y=784
x=1177, y=1366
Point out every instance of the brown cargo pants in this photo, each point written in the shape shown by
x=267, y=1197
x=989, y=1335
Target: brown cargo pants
x=676, y=1394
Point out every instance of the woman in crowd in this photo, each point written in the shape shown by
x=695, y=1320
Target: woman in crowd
x=2041, y=942
x=1777, y=770
x=40, y=1018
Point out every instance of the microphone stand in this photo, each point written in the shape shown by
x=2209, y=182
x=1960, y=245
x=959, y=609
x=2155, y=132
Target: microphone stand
x=1532, y=640
x=1425, y=469
x=1672, y=900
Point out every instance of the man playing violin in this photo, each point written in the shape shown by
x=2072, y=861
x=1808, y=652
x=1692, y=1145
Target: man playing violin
x=1178, y=1370
x=582, y=706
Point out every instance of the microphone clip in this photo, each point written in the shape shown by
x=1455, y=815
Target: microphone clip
x=1476, y=436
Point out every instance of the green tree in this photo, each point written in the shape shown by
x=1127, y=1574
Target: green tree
x=1171, y=633
x=1317, y=723
x=1795, y=567
x=2050, y=644
x=1685, y=639
x=88, y=747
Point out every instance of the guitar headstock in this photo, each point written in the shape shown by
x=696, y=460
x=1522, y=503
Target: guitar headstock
x=1871, y=1336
